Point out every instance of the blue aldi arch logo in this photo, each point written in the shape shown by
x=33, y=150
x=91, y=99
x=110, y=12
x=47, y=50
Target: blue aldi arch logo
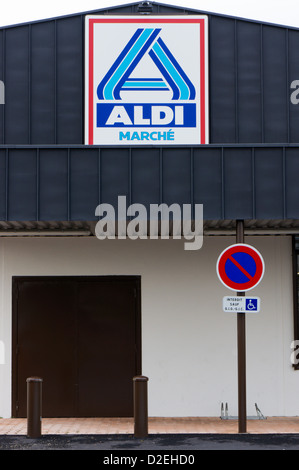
x=146, y=41
x=146, y=80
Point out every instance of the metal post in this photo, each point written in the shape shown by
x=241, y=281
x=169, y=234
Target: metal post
x=140, y=406
x=34, y=406
x=242, y=412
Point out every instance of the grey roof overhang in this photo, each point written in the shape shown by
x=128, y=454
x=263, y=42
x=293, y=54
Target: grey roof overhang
x=60, y=186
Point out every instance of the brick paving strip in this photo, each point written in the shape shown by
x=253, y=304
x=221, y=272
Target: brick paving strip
x=63, y=426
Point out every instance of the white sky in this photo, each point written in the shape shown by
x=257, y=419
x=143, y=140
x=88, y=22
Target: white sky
x=285, y=12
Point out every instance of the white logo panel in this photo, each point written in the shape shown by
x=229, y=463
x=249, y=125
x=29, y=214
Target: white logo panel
x=146, y=80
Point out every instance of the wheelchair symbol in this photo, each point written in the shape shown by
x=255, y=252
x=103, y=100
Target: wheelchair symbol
x=251, y=304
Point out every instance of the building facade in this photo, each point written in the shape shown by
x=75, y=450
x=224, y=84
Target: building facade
x=88, y=314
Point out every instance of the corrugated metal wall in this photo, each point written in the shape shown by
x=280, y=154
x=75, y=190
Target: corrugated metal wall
x=47, y=174
x=67, y=183
x=251, y=68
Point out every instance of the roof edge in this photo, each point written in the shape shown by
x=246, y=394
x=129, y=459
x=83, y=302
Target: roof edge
x=111, y=8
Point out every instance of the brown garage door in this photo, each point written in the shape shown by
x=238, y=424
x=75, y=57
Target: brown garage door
x=82, y=336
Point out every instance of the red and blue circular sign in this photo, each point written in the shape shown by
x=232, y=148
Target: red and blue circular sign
x=240, y=267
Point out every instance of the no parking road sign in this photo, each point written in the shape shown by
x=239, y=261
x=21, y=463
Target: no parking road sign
x=240, y=267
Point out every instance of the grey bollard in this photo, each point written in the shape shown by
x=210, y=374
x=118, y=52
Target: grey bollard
x=140, y=406
x=34, y=407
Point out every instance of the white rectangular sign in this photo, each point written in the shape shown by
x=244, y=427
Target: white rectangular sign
x=241, y=304
x=146, y=80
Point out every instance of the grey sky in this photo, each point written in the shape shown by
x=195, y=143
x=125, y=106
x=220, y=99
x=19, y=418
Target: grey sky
x=284, y=12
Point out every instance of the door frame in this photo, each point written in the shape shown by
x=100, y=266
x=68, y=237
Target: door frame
x=15, y=282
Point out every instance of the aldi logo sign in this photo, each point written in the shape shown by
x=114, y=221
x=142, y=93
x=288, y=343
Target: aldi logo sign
x=146, y=80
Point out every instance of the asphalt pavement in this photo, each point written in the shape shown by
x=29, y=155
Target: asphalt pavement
x=167, y=444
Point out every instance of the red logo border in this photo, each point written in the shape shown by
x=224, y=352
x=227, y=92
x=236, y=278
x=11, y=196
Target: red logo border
x=138, y=20
x=244, y=248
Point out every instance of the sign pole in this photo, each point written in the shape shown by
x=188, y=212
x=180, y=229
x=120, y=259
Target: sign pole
x=242, y=413
x=241, y=267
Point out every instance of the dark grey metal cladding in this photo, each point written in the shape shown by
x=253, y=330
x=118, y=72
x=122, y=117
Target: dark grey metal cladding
x=56, y=178
x=67, y=183
x=43, y=77
x=251, y=67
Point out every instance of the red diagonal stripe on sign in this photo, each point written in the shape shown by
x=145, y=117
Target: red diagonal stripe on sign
x=240, y=267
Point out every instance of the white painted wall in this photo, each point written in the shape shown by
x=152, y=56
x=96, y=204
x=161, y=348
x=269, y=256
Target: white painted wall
x=188, y=342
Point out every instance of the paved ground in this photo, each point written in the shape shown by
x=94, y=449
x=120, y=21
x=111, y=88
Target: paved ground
x=173, y=443
x=179, y=425
x=113, y=439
